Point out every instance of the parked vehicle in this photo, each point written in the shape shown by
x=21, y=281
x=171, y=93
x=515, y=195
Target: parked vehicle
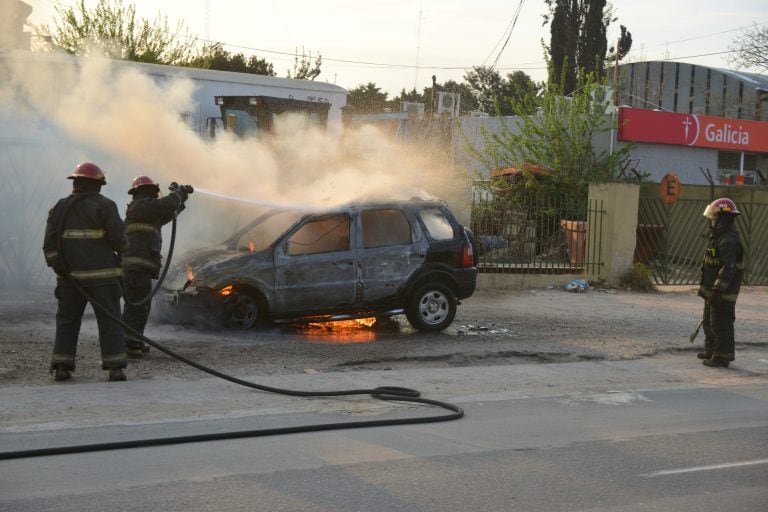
x=361, y=260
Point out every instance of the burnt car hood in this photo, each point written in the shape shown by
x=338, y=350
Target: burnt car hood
x=214, y=266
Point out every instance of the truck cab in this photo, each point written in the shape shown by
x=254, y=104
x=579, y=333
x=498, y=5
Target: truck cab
x=248, y=116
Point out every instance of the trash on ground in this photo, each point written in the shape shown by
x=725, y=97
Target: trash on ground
x=577, y=286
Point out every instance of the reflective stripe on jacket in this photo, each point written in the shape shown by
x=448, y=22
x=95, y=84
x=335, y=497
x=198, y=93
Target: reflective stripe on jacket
x=144, y=218
x=99, y=273
x=86, y=234
x=141, y=226
x=136, y=261
x=92, y=236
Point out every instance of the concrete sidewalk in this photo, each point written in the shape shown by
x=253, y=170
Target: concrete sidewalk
x=72, y=405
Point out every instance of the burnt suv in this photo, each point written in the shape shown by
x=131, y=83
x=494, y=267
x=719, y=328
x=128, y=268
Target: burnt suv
x=360, y=260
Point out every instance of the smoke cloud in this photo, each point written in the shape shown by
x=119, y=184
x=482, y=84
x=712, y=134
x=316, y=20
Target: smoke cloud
x=130, y=124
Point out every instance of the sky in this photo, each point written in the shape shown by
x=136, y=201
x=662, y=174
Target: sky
x=401, y=44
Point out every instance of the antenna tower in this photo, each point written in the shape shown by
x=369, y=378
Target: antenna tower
x=418, y=46
x=207, y=30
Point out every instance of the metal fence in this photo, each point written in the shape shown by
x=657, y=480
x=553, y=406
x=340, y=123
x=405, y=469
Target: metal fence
x=26, y=193
x=671, y=239
x=537, y=235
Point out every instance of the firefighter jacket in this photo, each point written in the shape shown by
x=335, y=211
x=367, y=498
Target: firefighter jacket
x=723, y=265
x=144, y=218
x=87, y=227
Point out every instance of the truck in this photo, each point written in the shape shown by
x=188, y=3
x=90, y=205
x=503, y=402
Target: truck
x=253, y=115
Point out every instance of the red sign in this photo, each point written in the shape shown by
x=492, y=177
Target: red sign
x=692, y=130
x=670, y=188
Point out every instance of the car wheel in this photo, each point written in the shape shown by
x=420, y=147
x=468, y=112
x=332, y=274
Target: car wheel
x=240, y=311
x=432, y=308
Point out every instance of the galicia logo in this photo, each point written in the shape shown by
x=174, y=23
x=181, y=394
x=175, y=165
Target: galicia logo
x=727, y=133
x=691, y=129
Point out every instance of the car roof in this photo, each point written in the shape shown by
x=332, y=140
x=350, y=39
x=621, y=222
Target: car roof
x=385, y=203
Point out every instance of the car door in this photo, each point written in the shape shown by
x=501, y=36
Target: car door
x=391, y=248
x=315, y=266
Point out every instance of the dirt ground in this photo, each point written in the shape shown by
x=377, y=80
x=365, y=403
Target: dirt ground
x=491, y=328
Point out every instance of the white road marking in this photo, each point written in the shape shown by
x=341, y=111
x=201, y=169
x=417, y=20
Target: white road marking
x=705, y=468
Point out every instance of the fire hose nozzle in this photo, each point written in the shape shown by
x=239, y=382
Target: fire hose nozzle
x=185, y=188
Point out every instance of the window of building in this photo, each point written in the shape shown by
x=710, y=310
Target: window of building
x=729, y=166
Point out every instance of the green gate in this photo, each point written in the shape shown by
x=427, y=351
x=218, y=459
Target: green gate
x=671, y=238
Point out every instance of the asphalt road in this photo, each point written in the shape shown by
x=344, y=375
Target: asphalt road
x=574, y=402
x=652, y=434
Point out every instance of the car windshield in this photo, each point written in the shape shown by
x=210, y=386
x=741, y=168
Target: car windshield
x=265, y=229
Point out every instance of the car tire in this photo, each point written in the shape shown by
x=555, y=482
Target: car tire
x=432, y=307
x=240, y=310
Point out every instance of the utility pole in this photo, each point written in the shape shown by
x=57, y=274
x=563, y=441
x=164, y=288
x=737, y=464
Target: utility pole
x=418, y=49
x=207, y=20
x=615, y=99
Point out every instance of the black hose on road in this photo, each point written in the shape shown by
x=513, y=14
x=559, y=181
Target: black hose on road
x=388, y=393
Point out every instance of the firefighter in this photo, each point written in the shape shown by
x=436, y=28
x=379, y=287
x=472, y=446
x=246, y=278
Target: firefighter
x=721, y=275
x=144, y=218
x=87, y=227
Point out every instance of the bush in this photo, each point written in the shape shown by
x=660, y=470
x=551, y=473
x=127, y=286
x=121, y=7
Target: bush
x=638, y=278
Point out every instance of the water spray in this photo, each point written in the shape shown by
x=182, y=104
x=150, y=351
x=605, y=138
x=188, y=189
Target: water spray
x=267, y=204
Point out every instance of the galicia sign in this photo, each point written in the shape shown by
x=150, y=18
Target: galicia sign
x=692, y=130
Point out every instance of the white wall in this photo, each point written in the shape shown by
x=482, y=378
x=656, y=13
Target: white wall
x=210, y=83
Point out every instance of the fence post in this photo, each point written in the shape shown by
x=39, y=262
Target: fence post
x=617, y=241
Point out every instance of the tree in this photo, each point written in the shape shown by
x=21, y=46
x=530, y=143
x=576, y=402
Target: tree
x=560, y=136
x=625, y=42
x=562, y=46
x=216, y=57
x=412, y=96
x=592, y=44
x=751, y=48
x=367, y=99
x=492, y=93
x=112, y=30
x=578, y=39
x=518, y=87
x=304, y=69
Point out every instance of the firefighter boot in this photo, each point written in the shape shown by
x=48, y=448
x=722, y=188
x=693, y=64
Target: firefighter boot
x=704, y=355
x=715, y=363
x=116, y=374
x=136, y=348
x=136, y=352
x=62, y=373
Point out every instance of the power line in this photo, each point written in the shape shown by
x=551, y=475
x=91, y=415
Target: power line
x=712, y=34
x=507, y=33
x=537, y=65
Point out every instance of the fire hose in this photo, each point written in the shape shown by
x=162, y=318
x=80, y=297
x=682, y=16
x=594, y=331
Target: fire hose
x=387, y=393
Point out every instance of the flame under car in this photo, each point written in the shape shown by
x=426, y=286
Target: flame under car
x=362, y=260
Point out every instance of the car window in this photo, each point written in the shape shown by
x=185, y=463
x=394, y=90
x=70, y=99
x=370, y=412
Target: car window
x=383, y=228
x=327, y=234
x=438, y=226
x=261, y=236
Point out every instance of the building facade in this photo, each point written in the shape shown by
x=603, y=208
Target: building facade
x=701, y=123
x=707, y=125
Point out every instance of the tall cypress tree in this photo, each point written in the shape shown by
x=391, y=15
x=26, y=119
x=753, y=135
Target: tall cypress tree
x=578, y=39
x=593, y=44
x=562, y=48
